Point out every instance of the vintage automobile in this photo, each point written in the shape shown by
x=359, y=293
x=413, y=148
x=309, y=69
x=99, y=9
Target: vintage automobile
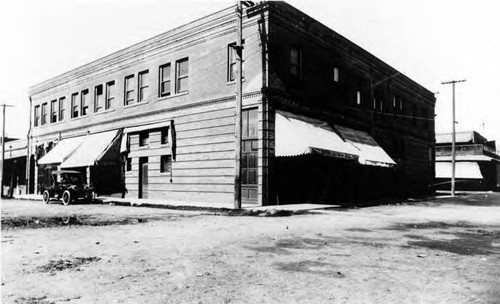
x=68, y=186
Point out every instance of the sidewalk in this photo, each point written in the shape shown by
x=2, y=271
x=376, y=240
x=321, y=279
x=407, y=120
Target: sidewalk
x=157, y=203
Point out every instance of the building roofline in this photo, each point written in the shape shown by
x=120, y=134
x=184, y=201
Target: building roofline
x=365, y=55
x=170, y=35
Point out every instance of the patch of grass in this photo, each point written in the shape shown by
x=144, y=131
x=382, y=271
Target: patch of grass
x=63, y=264
x=33, y=300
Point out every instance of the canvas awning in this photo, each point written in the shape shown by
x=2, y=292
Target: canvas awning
x=61, y=151
x=95, y=149
x=469, y=170
x=297, y=135
x=369, y=151
x=472, y=157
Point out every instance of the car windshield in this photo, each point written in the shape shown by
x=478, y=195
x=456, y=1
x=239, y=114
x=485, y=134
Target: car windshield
x=71, y=178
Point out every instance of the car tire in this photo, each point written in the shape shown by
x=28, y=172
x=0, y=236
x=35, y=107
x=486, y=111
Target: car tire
x=46, y=196
x=66, y=197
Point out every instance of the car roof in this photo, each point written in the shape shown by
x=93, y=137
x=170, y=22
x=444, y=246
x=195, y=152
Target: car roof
x=64, y=171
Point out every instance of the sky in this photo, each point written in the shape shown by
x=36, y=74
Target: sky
x=430, y=41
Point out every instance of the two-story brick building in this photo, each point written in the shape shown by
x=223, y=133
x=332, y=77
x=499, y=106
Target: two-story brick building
x=158, y=118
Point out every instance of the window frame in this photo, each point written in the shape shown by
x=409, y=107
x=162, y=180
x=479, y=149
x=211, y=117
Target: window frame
x=143, y=135
x=161, y=80
x=129, y=81
x=128, y=164
x=84, y=105
x=179, y=77
x=53, y=106
x=62, y=108
x=336, y=75
x=166, y=163
x=109, y=96
x=164, y=135
x=75, y=105
x=44, y=114
x=37, y=116
x=140, y=86
x=231, y=54
x=292, y=64
x=96, y=99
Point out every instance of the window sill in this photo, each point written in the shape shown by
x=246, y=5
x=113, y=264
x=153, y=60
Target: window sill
x=165, y=174
x=233, y=82
x=143, y=148
x=80, y=117
x=136, y=104
x=56, y=123
x=173, y=96
x=104, y=112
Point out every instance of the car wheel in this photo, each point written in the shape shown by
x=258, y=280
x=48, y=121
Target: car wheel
x=66, y=197
x=46, y=196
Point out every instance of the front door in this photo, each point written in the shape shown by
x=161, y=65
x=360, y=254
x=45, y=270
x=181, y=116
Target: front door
x=143, y=177
x=249, y=156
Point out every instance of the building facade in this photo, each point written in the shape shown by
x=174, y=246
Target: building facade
x=158, y=118
x=477, y=162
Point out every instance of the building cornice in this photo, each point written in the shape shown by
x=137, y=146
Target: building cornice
x=158, y=45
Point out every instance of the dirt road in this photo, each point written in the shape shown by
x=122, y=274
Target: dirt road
x=443, y=251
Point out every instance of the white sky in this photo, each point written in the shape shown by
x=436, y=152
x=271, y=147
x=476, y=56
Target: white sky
x=428, y=40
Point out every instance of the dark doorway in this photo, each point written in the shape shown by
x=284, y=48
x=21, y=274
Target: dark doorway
x=143, y=177
x=249, y=156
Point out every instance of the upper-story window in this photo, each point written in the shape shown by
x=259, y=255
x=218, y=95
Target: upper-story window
x=143, y=85
x=336, y=75
x=37, y=116
x=232, y=61
x=44, y=113
x=143, y=138
x=110, y=95
x=296, y=62
x=53, y=111
x=75, y=107
x=98, y=98
x=165, y=80
x=358, y=98
x=85, y=102
x=62, y=108
x=182, y=75
x=129, y=90
x=374, y=105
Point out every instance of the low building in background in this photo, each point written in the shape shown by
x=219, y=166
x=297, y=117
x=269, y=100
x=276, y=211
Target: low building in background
x=157, y=119
x=477, y=162
x=14, y=167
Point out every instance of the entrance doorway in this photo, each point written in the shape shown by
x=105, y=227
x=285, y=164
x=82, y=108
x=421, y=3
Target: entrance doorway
x=249, y=156
x=143, y=177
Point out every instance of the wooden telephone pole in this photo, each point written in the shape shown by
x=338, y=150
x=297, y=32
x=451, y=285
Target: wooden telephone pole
x=453, y=137
x=3, y=147
x=239, y=100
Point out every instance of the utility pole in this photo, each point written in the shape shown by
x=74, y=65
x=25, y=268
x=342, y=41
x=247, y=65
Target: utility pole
x=239, y=101
x=453, y=137
x=3, y=147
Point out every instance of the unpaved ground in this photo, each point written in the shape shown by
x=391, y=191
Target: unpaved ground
x=432, y=252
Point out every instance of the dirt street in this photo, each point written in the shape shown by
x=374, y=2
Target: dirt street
x=439, y=251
